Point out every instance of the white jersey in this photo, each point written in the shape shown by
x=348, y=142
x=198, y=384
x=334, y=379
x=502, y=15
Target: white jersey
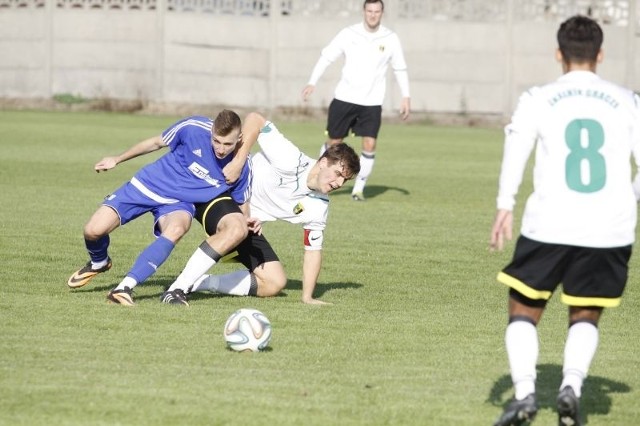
x=585, y=130
x=279, y=187
x=367, y=56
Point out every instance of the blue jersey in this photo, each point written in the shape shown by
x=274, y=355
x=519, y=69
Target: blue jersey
x=190, y=172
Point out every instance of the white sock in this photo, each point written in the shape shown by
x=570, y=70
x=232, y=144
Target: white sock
x=366, y=166
x=127, y=282
x=98, y=265
x=521, y=340
x=237, y=283
x=579, y=350
x=199, y=263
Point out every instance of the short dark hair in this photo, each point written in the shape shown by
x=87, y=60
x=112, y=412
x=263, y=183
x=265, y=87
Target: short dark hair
x=580, y=39
x=366, y=2
x=343, y=153
x=226, y=122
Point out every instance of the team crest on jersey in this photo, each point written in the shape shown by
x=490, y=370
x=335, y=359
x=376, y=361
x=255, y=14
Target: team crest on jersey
x=299, y=208
x=197, y=152
x=381, y=48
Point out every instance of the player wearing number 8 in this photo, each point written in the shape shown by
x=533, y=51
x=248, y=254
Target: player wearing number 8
x=579, y=223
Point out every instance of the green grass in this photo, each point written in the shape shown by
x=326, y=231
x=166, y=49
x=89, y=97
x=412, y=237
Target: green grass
x=414, y=335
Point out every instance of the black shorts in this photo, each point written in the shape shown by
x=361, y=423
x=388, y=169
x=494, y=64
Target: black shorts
x=589, y=276
x=253, y=251
x=362, y=120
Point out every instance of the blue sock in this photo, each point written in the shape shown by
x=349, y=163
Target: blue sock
x=150, y=259
x=98, y=249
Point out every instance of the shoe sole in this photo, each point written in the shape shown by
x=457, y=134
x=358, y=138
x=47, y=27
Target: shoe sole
x=80, y=281
x=120, y=299
x=76, y=281
x=567, y=415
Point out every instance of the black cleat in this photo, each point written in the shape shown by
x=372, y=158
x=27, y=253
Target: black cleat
x=519, y=412
x=568, y=407
x=121, y=297
x=83, y=275
x=174, y=297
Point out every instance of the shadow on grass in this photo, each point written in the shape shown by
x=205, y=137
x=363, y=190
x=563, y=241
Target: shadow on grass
x=595, y=398
x=371, y=191
x=163, y=283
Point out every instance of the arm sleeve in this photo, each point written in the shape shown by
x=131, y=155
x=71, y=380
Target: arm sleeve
x=402, y=77
x=276, y=148
x=328, y=55
x=636, y=146
x=520, y=138
x=399, y=66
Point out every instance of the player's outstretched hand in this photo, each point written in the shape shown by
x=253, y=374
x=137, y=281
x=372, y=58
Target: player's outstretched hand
x=502, y=229
x=312, y=301
x=107, y=163
x=405, y=108
x=307, y=91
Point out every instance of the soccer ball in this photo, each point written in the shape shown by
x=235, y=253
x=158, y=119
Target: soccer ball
x=247, y=330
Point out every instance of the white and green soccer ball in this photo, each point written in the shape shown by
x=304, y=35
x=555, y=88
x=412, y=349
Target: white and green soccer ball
x=247, y=330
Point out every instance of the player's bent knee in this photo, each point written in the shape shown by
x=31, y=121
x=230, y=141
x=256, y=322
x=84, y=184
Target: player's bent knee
x=271, y=288
x=94, y=231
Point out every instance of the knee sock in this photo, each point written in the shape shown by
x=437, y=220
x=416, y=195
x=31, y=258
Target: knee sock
x=238, y=283
x=148, y=262
x=579, y=350
x=366, y=166
x=198, y=264
x=521, y=340
x=98, y=251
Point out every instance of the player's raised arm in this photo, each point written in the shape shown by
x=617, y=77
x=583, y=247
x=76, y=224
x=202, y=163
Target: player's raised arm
x=141, y=148
x=250, y=131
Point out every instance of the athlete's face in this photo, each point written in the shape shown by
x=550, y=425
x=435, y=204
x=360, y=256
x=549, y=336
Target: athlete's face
x=372, y=16
x=330, y=177
x=225, y=145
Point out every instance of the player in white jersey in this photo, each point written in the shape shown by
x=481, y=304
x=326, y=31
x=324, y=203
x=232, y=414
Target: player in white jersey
x=287, y=185
x=192, y=171
x=368, y=48
x=579, y=223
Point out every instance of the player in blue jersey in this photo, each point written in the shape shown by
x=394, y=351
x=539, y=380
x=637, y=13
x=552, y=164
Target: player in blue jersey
x=191, y=172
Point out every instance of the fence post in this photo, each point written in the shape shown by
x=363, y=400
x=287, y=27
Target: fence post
x=275, y=12
x=48, y=41
x=508, y=70
x=158, y=87
x=633, y=32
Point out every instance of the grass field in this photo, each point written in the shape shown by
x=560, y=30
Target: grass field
x=414, y=335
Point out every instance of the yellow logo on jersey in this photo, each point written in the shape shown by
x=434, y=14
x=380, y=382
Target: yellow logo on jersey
x=299, y=208
x=381, y=48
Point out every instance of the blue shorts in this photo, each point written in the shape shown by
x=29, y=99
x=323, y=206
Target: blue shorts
x=129, y=203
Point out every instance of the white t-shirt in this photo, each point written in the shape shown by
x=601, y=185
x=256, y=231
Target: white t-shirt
x=279, y=188
x=366, y=59
x=585, y=131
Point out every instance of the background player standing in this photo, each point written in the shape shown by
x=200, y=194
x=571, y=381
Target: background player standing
x=368, y=49
x=579, y=223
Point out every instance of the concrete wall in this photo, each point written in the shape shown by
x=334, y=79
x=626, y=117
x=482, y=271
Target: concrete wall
x=264, y=62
